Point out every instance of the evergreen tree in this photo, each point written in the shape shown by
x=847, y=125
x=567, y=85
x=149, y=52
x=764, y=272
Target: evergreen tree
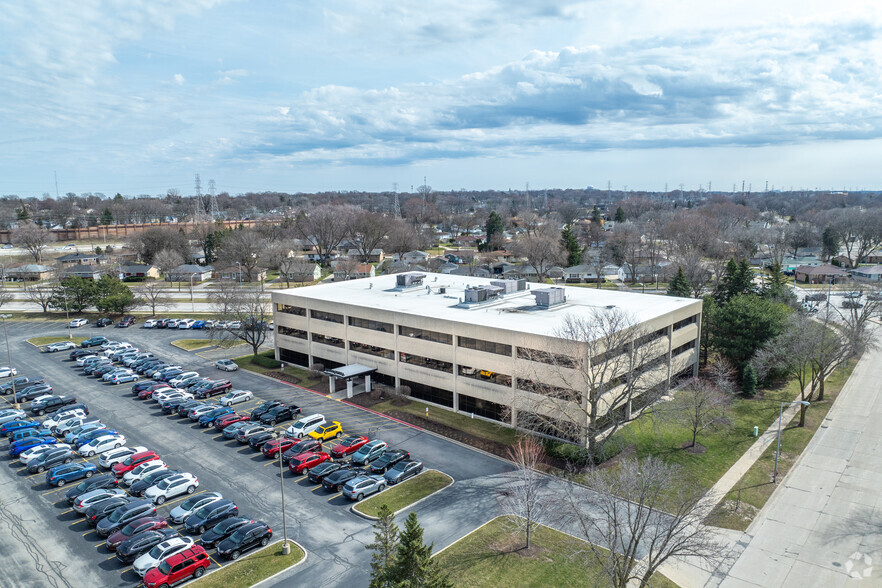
x=106, y=217
x=493, y=227
x=679, y=285
x=384, y=548
x=743, y=324
x=620, y=215
x=776, y=286
x=571, y=244
x=830, y=243
x=748, y=381
x=22, y=213
x=414, y=565
x=595, y=214
x=737, y=279
x=744, y=279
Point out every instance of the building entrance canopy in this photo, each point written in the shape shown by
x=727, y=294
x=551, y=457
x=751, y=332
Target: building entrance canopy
x=353, y=370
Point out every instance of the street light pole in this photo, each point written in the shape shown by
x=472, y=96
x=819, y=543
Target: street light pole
x=240, y=273
x=9, y=358
x=778, y=449
x=192, y=304
x=66, y=312
x=286, y=547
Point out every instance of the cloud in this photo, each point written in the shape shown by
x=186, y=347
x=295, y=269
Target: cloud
x=179, y=79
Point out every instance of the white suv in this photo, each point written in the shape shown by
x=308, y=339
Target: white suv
x=171, y=487
x=305, y=426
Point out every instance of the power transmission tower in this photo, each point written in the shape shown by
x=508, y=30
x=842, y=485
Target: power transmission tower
x=215, y=209
x=198, y=208
x=396, y=205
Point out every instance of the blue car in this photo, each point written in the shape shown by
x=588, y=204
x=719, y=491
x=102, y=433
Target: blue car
x=83, y=439
x=71, y=437
x=70, y=472
x=27, y=433
x=12, y=426
x=208, y=419
x=198, y=325
x=16, y=448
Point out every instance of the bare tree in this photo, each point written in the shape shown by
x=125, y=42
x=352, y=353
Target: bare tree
x=522, y=498
x=223, y=297
x=640, y=515
x=6, y=297
x=242, y=249
x=367, y=230
x=249, y=309
x=541, y=249
x=167, y=260
x=583, y=386
x=154, y=296
x=324, y=227
x=699, y=405
x=39, y=295
x=401, y=237
x=32, y=238
x=348, y=266
x=625, y=247
x=860, y=231
x=856, y=315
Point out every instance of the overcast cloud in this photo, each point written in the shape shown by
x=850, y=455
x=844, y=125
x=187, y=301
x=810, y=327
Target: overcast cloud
x=137, y=96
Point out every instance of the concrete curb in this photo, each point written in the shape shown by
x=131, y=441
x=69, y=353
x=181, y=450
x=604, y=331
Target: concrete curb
x=303, y=559
x=412, y=504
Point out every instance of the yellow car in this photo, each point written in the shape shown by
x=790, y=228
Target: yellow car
x=330, y=431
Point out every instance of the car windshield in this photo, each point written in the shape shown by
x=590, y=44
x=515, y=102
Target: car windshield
x=191, y=502
x=399, y=467
x=129, y=529
x=156, y=551
x=238, y=536
x=298, y=425
x=116, y=515
x=164, y=568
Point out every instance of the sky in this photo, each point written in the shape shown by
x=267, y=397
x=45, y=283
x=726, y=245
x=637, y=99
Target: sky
x=138, y=96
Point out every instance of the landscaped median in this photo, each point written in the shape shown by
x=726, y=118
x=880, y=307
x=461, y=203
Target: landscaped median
x=193, y=344
x=493, y=555
x=42, y=341
x=406, y=493
x=265, y=364
x=252, y=569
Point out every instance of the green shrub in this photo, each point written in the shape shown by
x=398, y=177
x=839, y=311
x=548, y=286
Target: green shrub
x=572, y=454
x=269, y=363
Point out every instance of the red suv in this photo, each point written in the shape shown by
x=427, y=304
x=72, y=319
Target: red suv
x=348, y=445
x=181, y=566
x=133, y=461
x=215, y=389
x=225, y=421
x=301, y=464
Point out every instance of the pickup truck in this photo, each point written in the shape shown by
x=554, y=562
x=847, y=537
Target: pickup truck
x=41, y=407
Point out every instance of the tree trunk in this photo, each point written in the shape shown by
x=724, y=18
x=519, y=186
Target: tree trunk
x=802, y=408
x=821, y=388
x=694, y=436
x=529, y=528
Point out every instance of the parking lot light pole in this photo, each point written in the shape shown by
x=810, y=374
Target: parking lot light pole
x=286, y=547
x=9, y=358
x=193, y=304
x=66, y=312
x=778, y=450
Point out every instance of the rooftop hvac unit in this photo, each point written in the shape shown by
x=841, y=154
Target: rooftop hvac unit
x=510, y=286
x=548, y=297
x=409, y=280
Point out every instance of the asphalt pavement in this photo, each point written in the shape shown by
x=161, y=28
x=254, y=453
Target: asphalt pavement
x=46, y=545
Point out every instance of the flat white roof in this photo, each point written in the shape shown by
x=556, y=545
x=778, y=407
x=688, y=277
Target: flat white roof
x=515, y=312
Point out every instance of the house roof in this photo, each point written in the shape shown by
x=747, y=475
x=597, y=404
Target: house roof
x=146, y=267
x=305, y=267
x=79, y=257
x=872, y=271
x=192, y=268
x=30, y=268
x=82, y=269
x=825, y=269
x=361, y=268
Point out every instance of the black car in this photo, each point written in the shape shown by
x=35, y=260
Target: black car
x=41, y=407
x=308, y=444
x=335, y=480
x=130, y=549
x=93, y=342
x=126, y=321
x=122, y=516
x=140, y=487
x=222, y=530
x=402, y=471
x=32, y=392
x=210, y=515
x=77, y=353
x=387, y=460
x=94, y=483
x=103, y=322
x=186, y=407
x=50, y=459
x=317, y=474
x=161, y=323
x=257, y=441
x=214, y=389
x=170, y=406
x=20, y=383
x=148, y=365
x=245, y=538
x=262, y=408
x=99, y=510
x=280, y=414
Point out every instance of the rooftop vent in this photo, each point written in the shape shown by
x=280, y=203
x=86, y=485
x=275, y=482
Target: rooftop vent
x=548, y=297
x=482, y=293
x=510, y=286
x=409, y=280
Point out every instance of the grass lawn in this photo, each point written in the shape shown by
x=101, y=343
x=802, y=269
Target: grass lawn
x=251, y=569
x=405, y=493
x=40, y=341
x=193, y=344
x=266, y=362
x=491, y=556
x=753, y=490
x=460, y=422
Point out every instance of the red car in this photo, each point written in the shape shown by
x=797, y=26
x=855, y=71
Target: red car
x=133, y=461
x=271, y=448
x=215, y=389
x=348, y=445
x=148, y=393
x=225, y=421
x=301, y=464
x=136, y=526
x=190, y=563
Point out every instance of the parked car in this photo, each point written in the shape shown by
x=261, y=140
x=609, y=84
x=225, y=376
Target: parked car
x=182, y=377
x=185, y=408
x=201, y=409
x=334, y=481
x=245, y=433
x=102, y=444
x=227, y=365
x=140, y=487
x=302, y=446
x=19, y=383
x=52, y=421
x=180, y=513
x=127, y=321
x=80, y=322
x=207, y=419
x=176, y=485
x=33, y=392
x=140, y=525
x=130, y=549
x=93, y=342
x=230, y=431
x=149, y=323
x=133, y=461
x=387, y=460
x=361, y=486
x=237, y=396
x=99, y=510
x=190, y=563
x=103, y=322
x=210, y=515
x=369, y=452
x=143, y=470
x=8, y=428
x=272, y=448
x=225, y=421
x=123, y=516
x=327, y=431
x=280, y=414
x=317, y=474
x=124, y=377
x=92, y=435
x=305, y=425
x=50, y=459
x=104, y=481
x=86, y=499
x=41, y=407
x=262, y=408
x=257, y=440
x=60, y=346
x=222, y=530
x=160, y=552
x=301, y=464
x=61, y=475
x=348, y=445
x=245, y=538
x=402, y=470
x=114, y=456
x=215, y=389
x=28, y=456
x=7, y=371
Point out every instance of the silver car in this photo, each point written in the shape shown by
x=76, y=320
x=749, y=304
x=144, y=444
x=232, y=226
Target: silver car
x=361, y=486
x=86, y=500
x=191, y=505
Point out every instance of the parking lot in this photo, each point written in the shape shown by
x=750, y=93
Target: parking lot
x=319, y=520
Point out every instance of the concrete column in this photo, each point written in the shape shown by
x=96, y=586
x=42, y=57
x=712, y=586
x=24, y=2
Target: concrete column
x=349, y=388
x=333, y=382
x=367, y=383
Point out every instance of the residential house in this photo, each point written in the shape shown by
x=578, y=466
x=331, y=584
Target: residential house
x=869, y=273
x=578, y=274
x=304, y=272
x=186, y=271
x=72, y=259
x=345, y=271
x=375, y=255
x=235, y=273
x=819, y=274
x=447, y=267
x=473, y=271
x=87, y=272
x=414, y=257
x=29, y=272
x=139, y=270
